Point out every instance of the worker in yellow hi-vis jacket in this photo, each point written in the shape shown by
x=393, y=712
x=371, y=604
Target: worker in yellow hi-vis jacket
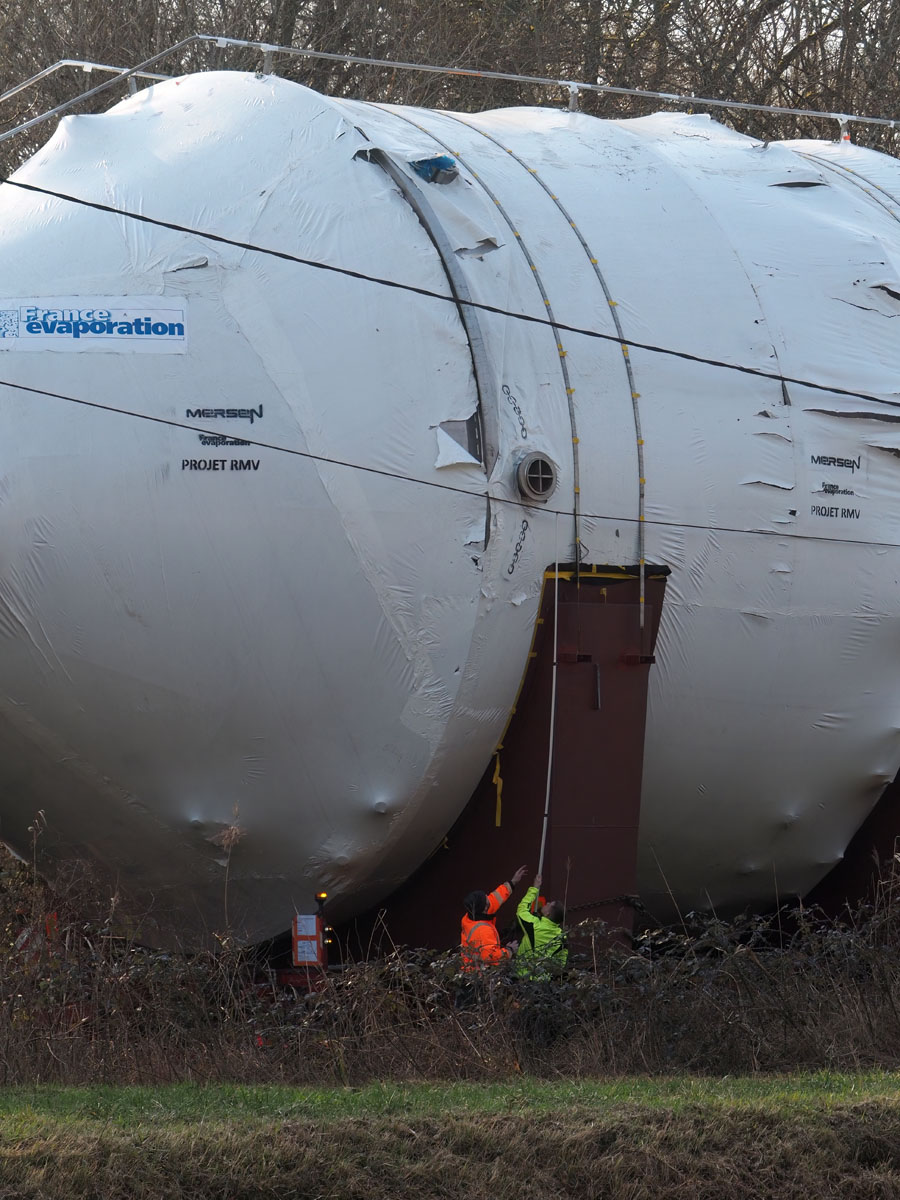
x=542, y=949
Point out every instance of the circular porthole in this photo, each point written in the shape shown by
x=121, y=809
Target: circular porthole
x=536, y=477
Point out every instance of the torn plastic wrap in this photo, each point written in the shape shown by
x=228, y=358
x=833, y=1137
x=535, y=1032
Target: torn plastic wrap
x=299, y=601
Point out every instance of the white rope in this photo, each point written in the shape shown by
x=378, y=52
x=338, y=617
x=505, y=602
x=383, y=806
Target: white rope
x=540, y=869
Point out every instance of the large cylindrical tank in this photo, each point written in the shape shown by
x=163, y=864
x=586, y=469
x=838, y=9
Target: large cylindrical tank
x=268, y=579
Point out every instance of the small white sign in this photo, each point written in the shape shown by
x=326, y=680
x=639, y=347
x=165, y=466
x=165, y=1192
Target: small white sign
x=307, y=944
x=88, y=324
x=305, y=926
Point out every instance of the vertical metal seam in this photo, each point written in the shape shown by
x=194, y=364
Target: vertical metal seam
x=860, y=181
x=460, y=290
x=629, y=372
x=567, y=382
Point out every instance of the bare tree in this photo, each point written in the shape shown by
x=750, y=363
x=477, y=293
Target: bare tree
x=835, y=55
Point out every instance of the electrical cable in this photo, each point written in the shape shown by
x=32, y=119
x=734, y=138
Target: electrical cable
x=446, y=298
x=326, y=460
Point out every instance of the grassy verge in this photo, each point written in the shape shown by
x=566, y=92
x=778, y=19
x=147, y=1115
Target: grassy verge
x=816, y=1135
x=187, y=1103
x=737, y=1060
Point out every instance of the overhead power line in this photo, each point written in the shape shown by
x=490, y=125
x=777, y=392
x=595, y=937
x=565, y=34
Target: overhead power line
x=444, y=298
x=327, y=460
x=447, y=298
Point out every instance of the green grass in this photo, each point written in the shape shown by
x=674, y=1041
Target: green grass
x=187, y=1103
x=678, y=1138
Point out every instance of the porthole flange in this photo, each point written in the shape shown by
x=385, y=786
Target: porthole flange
x=536, y=477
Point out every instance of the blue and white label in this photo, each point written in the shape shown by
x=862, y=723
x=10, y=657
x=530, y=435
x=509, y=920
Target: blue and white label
x=111, y=324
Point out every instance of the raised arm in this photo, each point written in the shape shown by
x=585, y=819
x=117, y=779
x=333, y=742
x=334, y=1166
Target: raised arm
x=503, y=892
x=523, y=913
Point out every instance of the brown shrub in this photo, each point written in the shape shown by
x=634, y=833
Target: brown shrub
x=82, y=1002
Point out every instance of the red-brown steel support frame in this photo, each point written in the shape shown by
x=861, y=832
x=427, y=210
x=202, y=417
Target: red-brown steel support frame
x=603, y=663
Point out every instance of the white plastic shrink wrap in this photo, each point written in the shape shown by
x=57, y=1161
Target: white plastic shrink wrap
x=298, y=597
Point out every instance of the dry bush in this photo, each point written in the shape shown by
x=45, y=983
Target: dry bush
x=81, y=1002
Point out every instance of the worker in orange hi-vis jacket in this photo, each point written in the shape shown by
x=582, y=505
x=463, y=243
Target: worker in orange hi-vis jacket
x=480, y=941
